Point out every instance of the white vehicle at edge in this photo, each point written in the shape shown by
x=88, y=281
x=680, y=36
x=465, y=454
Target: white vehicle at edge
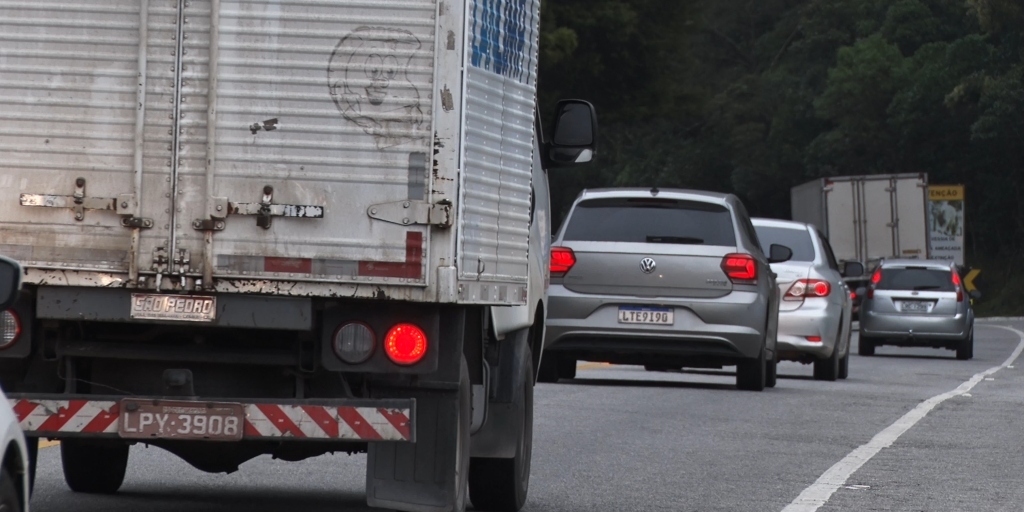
x=14, y=479
x=815, y=311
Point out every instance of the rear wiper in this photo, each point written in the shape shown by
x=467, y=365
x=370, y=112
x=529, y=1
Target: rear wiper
x=674, y=240
x=926, y=287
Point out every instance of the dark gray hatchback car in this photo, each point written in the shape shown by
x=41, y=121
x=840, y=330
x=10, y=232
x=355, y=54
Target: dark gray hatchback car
x=665, y=279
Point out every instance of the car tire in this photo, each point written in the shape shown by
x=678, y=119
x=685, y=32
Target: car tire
x=844, y=366
x=501, y=485
x=751, y=373
x=965, y=349
x=866, y=346
x=548, y=373
x=771, y=374
x=566, y=368
x=10, y=500
x=827, y=369
x=93, y=467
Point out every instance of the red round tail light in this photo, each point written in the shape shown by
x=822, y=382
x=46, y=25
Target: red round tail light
x=405, y=344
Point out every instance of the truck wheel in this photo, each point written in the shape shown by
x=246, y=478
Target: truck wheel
x=751, y=373
x=94, y=467
x=827, y=369
x=462, y=450
x=9, y=499
x=501, y=485
x=866, y=346
x=771, y=374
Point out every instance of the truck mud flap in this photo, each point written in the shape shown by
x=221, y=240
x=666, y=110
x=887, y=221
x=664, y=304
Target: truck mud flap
x=93, y=416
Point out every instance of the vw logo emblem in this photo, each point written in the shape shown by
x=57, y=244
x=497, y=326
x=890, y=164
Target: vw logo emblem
x=647, y=265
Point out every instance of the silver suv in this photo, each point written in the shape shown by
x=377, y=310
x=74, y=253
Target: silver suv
x=917, y=303
x=664, y=279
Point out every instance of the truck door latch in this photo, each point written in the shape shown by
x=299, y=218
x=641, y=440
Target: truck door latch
x=264, y=211
x=413, y=212
x=124, y=205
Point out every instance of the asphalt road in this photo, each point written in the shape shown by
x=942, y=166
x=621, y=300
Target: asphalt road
x=622, y=439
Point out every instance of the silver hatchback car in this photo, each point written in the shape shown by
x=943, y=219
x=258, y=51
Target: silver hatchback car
x=664, y=279
x=815, y=315
x=917, y=303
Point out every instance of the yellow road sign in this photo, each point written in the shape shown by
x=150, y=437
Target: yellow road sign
x=969, y=280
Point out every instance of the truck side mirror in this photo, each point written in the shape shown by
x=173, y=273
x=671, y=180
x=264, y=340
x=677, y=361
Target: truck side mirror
x=974, y=294
x=779, y=254
x=853, y=269
x=574, y=137
x=10, y=282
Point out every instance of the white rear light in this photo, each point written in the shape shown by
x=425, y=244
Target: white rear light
x=354, y=342
x=808, y=288
x=10, y=329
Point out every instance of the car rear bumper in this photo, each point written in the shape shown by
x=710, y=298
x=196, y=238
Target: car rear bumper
x=909, y=327
x=730, y=327
x=796, y=325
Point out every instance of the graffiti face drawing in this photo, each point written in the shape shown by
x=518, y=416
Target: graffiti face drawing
x=369, y=82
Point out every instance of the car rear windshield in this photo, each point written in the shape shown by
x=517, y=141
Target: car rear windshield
x=799, y=240
x=916, y=278
x=651, y=220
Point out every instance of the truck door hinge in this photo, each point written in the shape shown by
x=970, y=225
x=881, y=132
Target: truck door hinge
x=413, y=212
x=264, y=212
x=124, y=205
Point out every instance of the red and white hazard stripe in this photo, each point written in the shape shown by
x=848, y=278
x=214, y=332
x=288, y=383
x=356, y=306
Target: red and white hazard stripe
x=261, y=420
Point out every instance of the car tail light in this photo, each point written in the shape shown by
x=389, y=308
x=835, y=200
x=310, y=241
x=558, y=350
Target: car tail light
x=808, y=288
x=10, y=329
x=741, y=268
x=562, y=260
x=814, y=339
x=853, y=295
x=876, y=277
x=354, y=342
x=959, y=288
x=405, y=344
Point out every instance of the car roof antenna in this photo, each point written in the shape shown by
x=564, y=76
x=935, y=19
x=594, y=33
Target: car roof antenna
x=654, y=191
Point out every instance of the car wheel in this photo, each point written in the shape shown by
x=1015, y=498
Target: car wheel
x=566, y=368
x=827, y=369
x=771, y=374
x=548, y=369
x=965, y=350
x=844, y=366
x=751, y=373
x=866, y=346
x=9, y=499
x=94, y=467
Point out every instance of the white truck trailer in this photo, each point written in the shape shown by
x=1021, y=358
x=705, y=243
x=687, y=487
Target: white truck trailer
x=283, y=227
x=867, y=218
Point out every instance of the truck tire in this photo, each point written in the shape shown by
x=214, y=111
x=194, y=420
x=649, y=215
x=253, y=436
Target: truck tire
x=866, y=346
x=94, y=467
x=827, y=369
x=548, y=369
x=463, y=448
x=10, y=501
x=501, y=485
x=751, y=373
x=566, y=368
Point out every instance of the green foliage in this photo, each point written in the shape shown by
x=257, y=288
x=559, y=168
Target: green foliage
x=755, y=96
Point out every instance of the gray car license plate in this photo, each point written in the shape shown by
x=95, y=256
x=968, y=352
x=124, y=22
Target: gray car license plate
x=185, y=308
x=160, y=419
x=645, y=315
x=915, y=306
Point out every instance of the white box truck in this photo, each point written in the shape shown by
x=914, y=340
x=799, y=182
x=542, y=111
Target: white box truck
x=868, y=218
x=286, y=228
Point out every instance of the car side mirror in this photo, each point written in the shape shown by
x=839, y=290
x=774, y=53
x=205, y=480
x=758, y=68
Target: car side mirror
x=574, y=136
x=853, y=269
x=10, y=282
x=779, y=254
x=974, y=294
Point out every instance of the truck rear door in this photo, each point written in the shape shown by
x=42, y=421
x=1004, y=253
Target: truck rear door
x=238, y=139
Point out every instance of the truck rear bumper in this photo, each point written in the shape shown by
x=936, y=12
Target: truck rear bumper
x=58, y=416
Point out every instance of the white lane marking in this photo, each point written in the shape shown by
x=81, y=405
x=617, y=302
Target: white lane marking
x=815, y=496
